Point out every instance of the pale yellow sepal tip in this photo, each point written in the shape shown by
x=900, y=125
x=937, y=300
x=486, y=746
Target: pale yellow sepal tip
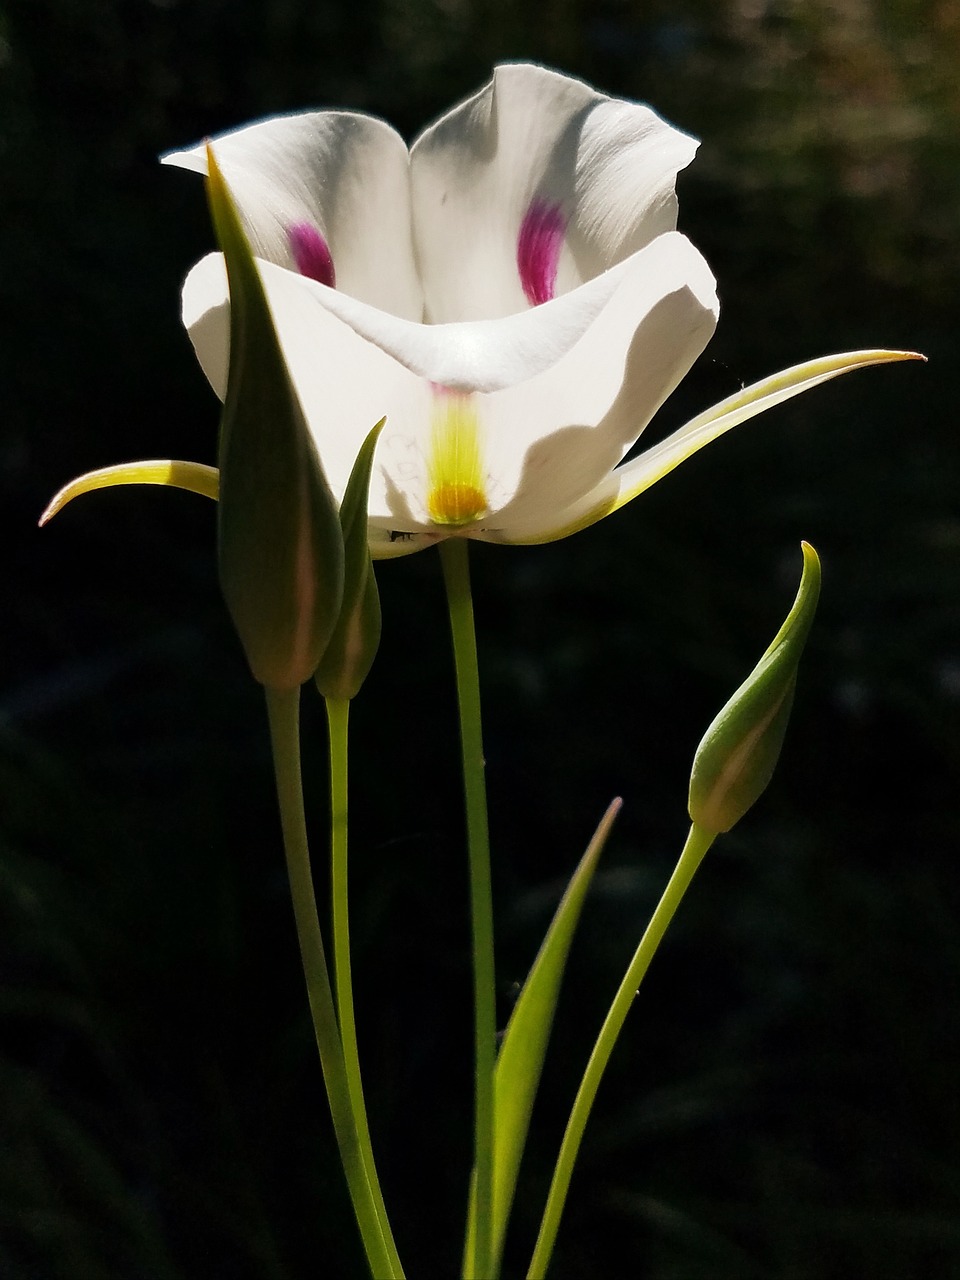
x=868, y=355
x=193, y=476
x=902, y=355
x=848, y=361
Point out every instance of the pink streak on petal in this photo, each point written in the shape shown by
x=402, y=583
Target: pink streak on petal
x=538, y=250
x=311, y=253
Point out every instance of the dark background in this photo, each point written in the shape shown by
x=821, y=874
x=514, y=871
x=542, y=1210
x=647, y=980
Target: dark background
x=784, y=1100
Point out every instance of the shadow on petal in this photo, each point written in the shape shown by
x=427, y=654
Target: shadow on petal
x=560, y=469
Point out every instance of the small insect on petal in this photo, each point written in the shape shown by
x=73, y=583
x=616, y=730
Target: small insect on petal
x=538, y=250
x=311, y=253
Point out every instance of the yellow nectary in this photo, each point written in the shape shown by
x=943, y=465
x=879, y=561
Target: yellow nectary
x=457, y=495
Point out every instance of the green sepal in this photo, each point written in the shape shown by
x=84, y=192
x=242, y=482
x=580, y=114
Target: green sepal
x=280, y=544
x=353, y=646
x=739, y=751
x=522, y=1050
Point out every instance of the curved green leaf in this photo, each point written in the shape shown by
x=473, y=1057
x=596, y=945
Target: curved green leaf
x=522, y=1051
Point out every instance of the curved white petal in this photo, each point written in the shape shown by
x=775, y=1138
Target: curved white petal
x=640, y=473
x=344, y=382
x=345, y=175
x=534, y=138
x=556, y=436
x=351, y=364
x=480, y=355
x=559, y=393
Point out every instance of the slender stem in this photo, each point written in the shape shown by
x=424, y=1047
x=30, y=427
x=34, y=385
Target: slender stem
x=283, y=707
x=698, y=842
x=478, y=1262
x=338, y=715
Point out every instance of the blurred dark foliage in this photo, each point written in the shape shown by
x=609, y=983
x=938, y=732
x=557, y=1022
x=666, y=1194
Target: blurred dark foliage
x=784, y=1102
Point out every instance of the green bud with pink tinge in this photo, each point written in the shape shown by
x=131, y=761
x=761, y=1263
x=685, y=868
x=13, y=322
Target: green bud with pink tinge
x=280, y=542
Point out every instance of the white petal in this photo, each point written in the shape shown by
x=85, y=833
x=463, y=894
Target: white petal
x=562, y=391
x=555, y=437
x=346, y=175
x=607, y=165
x=634, y=477
x=480, y=355
x=349, y=361
x=344, y=382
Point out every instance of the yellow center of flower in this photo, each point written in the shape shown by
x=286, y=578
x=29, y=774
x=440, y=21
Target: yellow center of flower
x=456, y=504
x=456, y=495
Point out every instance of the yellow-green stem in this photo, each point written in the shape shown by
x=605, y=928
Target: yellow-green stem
x=698, y=842
x=283, y=707
x=478, y=1261
x=338, y=716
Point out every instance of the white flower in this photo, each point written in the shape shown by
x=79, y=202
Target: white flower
x=511, y=293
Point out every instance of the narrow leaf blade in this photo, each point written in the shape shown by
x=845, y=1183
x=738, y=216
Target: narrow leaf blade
x=352, y=647
x=522, y=1051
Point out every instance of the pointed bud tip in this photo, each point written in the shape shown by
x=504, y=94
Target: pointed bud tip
x=228, y=227
x=739, y=752
x=811, y=561
x=213, y=169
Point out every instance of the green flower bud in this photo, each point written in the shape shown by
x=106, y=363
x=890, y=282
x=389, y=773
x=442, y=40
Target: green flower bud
x=280, y=543
x=739, y=751
x=353, y=646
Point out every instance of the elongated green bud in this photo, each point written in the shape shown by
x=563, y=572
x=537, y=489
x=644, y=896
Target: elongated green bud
x=739, y=751
x=353, y=646
x=280, y=544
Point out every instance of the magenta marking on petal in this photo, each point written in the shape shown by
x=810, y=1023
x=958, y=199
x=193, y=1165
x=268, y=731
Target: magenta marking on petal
x=311, y=253
x=538, y=250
